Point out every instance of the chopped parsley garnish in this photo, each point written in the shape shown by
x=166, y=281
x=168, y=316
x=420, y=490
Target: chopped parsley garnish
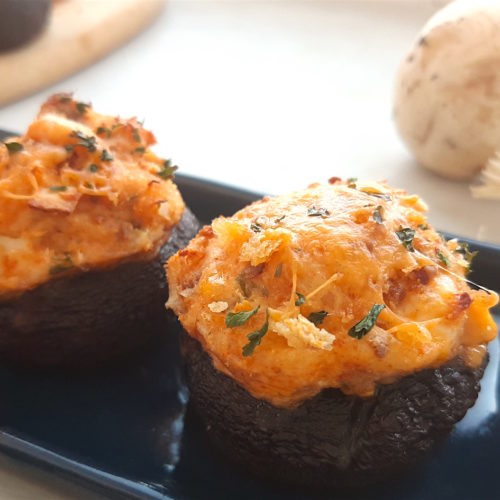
x=279, y=219
x=423, y=227
x=300, y=299
x=442, y=257
x=406, y=235
x=60, y=264
x=360, y=329
x=82, y=107
x=140, y=149
x=240, y=318
x=351, y=182
x=377, y=215
x=255, y=338
x=85, y=141
x=64, y=99
x=69, y=147
x=14, y=147
x=88, y=185
x=106, y=155
x=135, y=135
x=58, y=189
x=279, y=268
x=93, y=168
x=256, y=227
x=463, y=249
x=318, y=212
x=167, y=171
x=317, y=317
x=103, y=130
x=116, y=125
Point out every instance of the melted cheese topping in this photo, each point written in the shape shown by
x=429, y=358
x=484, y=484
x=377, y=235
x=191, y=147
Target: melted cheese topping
x=325, y=244
x=81, y=191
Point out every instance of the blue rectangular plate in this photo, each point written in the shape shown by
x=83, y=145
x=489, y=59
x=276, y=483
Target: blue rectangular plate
x=130, y=432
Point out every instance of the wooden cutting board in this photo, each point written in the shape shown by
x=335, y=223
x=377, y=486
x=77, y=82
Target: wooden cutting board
x=78, y=33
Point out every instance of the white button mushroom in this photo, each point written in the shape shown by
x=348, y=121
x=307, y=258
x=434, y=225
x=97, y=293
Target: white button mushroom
x=447, y=99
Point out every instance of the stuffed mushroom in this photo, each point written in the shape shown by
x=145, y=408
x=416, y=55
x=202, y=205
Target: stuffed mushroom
x=331, y=337
x=88, y=216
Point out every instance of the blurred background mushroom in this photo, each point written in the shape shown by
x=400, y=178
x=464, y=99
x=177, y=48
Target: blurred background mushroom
x=447, y=99
x=21, y=21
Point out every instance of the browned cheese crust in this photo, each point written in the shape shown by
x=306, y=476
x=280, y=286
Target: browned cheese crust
x=340, y=286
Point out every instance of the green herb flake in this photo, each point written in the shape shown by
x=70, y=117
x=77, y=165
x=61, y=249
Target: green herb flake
x=93, y=168
x=317, y=317
x=463, y=249
x=351, y=182
x=82, y=107
x=116, y=125
x=377, y=215
x=256, y=227
x=255, y=338
x=360, y=329
x=58, y=189
x=135, y=135
x=406, y=236
x=85, y=141
x=106, y=155
x=140, y=150
x=69, y=147
x=60, y=264
x=423, y=227
x=14, y=147
x=279, y=219
x=279, y=268
x=442, y=257
x=88, y=185
x=103, y=130
x=300, y=299
x=64, y=99
x=318, y=212
x=167, y=171
x=240, y=318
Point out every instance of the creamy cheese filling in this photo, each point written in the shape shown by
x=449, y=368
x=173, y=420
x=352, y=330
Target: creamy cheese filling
x=80, y=191
x=341, y=285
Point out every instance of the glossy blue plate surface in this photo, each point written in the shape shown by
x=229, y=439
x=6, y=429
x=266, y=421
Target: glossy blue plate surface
x=130, y=432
